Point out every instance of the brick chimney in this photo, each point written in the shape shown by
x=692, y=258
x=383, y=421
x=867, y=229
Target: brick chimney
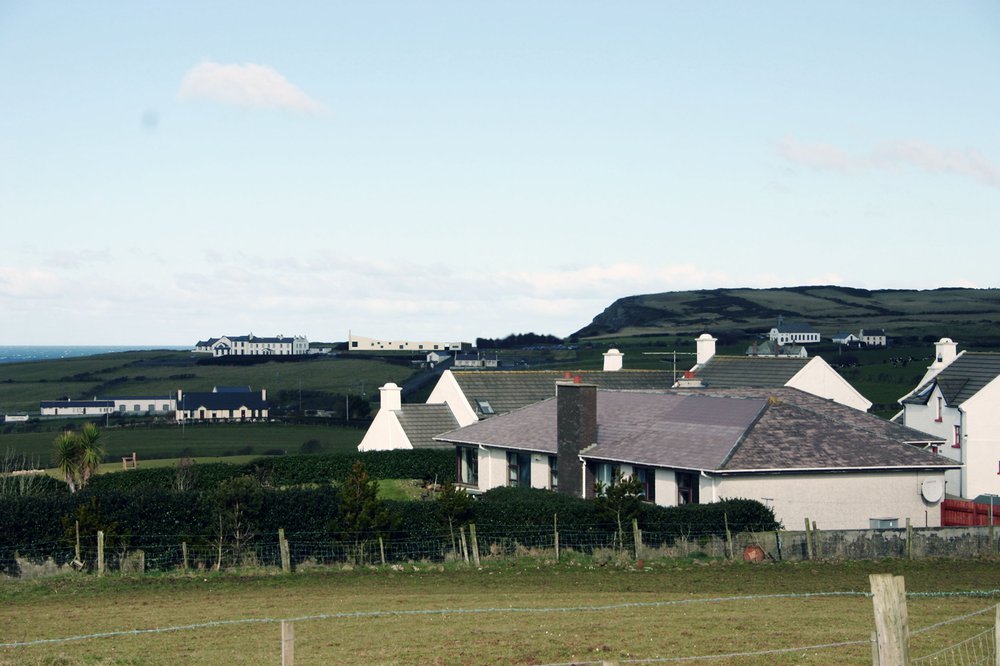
x=706, y=348
x=576, y=429
x=613, y=360
x=389, y=397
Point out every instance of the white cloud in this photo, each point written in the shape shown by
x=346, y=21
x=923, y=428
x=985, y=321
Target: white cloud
x=890, y=155
x=27, y=282
x=249, y=85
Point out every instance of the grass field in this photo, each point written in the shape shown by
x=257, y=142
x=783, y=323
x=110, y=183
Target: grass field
x=24, y=385
x=567, y=613
x=171, y=441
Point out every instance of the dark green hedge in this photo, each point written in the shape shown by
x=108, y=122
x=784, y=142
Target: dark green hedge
x=157, y=518
x=293, y=470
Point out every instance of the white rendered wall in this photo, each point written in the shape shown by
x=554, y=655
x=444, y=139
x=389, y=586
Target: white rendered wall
x=385, y=433
x=924, y=419
x=447, y=391
x=838, y=501
x=818, y=378
x=666, y=487
x=981, y=441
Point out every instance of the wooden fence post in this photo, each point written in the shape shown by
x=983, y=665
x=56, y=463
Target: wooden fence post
x=475, y=543
x=555, y=533
x=815, y=541
x=809, y=546
x=909, y=539
x=381, y=550
x=996, y=637
x=76, y=552
x=141, y=562
x=287, y=643
x=465, y=548
x=286, y=560
x=891, y=620
x=100, y=553
x=184, y=555
x=729, y=537
x=637, y=538
x=874, y=640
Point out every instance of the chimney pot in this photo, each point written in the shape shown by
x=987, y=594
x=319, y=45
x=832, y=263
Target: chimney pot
x=576, y=379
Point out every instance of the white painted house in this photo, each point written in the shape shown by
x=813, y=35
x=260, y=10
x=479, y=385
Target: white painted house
x=958, y=400
x=793, y=333
x=812, y=375
x=399, y=426
x=804, y=456
x=254, y=345
x=76, y=408
x=872, y=337
x=222, y=404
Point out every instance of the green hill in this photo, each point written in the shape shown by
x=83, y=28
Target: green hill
x=971, y=316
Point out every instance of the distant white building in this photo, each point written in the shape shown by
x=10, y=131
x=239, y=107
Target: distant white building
x=793, y=333
x=872, y=337
x=131, y=405
x=76, y=408
x=253, y=345
x=473, y=360
x=360, y=343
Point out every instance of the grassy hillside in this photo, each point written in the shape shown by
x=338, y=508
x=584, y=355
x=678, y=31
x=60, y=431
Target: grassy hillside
x=24, y=385
x=971, y=316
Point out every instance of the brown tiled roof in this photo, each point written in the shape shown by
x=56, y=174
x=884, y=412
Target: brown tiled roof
x=422, y=422
x=506, y=391
x=719, y=430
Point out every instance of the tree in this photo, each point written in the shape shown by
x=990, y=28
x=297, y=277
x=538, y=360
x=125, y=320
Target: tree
x=454, y=506
x=78, y=455
x=237, y=503
x=363, y=515
x=66, y=458
x=620, y=501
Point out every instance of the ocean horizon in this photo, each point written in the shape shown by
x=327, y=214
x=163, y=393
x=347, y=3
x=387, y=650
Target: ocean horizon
x=26, y=353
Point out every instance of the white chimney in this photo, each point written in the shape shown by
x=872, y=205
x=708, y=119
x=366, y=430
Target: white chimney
x=263, y=394
x=613, y=360
x=390, y=397
x=945, y=351
x=706, y=348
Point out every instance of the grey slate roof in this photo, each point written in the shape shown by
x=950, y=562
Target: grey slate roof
x=224, y=401
x=795, y=327
x=722, y=431
x=750, y=371
x=961, y=379
x=509, y=390
x=422, y=422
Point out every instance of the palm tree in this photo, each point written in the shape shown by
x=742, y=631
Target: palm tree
x=67, y=458
x=91, y=451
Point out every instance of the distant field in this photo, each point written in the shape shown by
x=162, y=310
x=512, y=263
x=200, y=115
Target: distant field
x=173, y=441
x=526, y=612
x=24, y=385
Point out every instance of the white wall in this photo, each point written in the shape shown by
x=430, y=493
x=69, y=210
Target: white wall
x=981, y=441
x=359, y=343
x=818, y=378
x=385, y=433
x=924, y=418
x=447, y=391
x=837, y=501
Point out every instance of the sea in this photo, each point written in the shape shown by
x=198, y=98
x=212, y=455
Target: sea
x=22, y=353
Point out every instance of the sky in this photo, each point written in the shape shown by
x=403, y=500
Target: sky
x=451, y=170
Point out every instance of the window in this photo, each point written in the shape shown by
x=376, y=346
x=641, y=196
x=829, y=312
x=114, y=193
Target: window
x=518, y=470
x=605, y=474
x=136, y=408
x=467, y=466
x=152, y=408
x=553, y=473
x=122, y=408
x=484, y=406
x=647, y=477
x=687, y=488
x=937, y=413
x=957, y=444
x=354, y=343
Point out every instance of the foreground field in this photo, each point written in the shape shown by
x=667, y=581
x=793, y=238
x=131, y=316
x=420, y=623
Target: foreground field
x=526, y=612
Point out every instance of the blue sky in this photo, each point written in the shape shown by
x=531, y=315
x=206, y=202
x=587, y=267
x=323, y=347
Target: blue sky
x=173, y=171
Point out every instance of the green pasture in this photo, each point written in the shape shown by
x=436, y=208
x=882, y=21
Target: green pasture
x=200, y=440
x=24, y=385
x=526, y=611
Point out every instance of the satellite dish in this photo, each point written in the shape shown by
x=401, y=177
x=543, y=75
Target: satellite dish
x=932, y=490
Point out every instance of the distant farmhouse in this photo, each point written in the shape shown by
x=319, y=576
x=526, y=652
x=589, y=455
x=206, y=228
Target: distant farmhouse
x=122, y=405
x=252, y=345
x=770, y=348
x=474, y=360
x=798, y=333
x=866, y=337
x=223, y=403
x=359, y=343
